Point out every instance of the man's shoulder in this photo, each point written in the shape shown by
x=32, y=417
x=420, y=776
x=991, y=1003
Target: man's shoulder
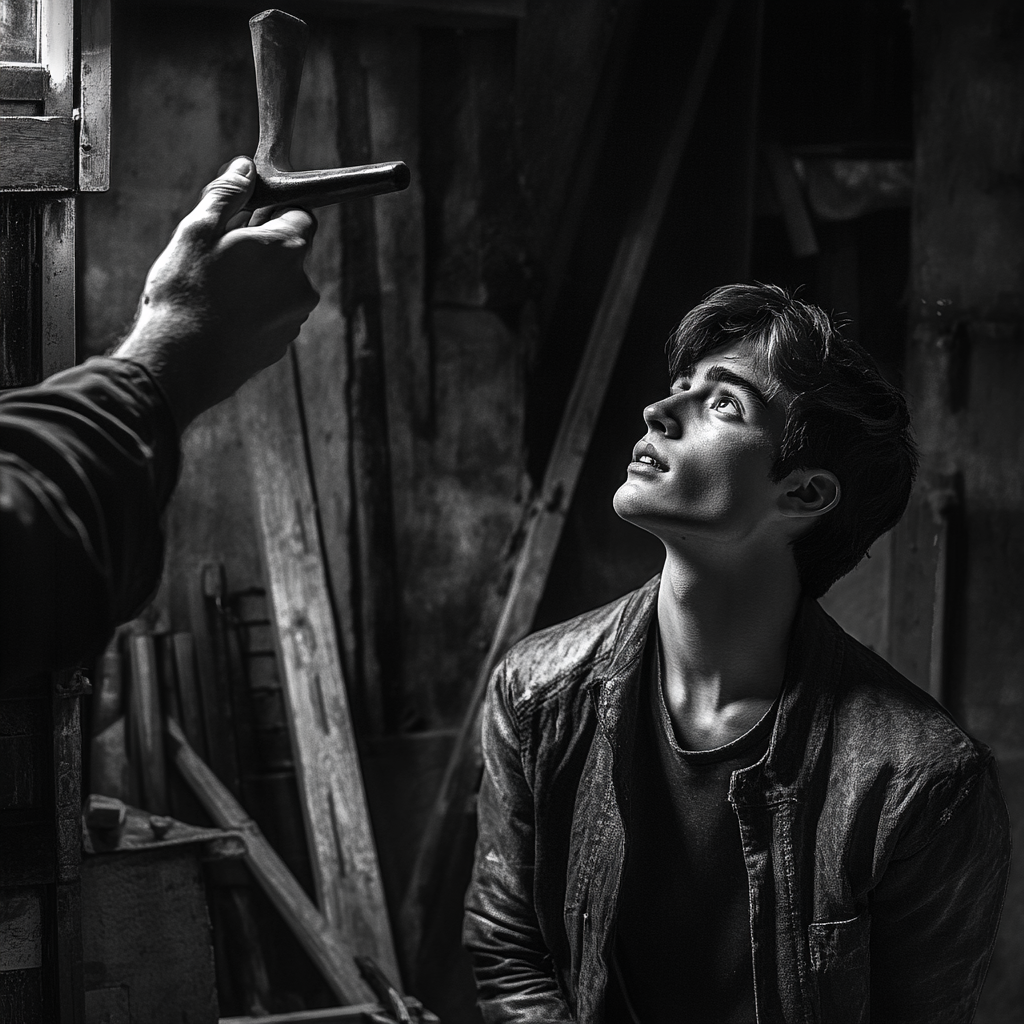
x=882, y=716
x=571, y=653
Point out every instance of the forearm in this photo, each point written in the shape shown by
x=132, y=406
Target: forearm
x=87, y=462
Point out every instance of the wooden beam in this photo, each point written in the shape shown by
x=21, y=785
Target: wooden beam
x=344, y=858
x=94, y=129
x=147, y=743
x=377, y=597
x=326, y=947
x=547, y=514
x=58, y=286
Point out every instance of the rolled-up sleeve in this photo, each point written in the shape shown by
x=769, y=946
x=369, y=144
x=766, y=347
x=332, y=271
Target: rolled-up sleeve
x=88, y=460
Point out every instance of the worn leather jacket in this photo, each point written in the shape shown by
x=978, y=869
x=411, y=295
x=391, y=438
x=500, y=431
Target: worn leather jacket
x=875, y=837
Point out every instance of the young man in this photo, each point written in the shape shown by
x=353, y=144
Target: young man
x=705, y=802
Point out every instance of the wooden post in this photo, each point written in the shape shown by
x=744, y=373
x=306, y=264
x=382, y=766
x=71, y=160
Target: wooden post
x=345, y=868
x=449, y=817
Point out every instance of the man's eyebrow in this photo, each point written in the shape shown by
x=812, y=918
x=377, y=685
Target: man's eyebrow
x=723, y=375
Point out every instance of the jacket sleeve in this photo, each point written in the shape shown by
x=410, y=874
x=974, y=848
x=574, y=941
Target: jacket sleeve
x=88, y=460
x=515, y=982
x=935, y=913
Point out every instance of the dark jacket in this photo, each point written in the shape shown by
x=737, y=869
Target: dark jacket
x=875, y=837
x=88, y=461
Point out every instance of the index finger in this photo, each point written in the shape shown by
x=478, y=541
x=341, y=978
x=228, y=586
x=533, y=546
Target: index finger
x=288, y=224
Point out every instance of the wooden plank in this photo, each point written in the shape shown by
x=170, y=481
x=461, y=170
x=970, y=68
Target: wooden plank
x=58, y=286
x=37, y=154
x=363, y=1012
x=548, y=511
x=391, y=56
x=147, y=746
x=94, y=129
x=326, y=947
x=22, y=83
x=802, y=239
x=21, y=928
x=188, y=690
x=377, y=690
x=344, y=858
x=108, y=760
x=213, y=686
x=564, y=167
x=322, y=358
x=67, y=786
x=20, y=235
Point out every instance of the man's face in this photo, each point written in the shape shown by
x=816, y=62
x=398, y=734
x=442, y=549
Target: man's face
x=702, y=472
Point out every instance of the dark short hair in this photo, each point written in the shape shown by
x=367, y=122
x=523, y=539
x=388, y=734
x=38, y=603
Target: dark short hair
x=843, y=415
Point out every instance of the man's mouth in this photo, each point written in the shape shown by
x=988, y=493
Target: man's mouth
x=646, y=455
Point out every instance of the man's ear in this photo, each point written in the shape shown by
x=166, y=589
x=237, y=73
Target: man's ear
x=809, y=492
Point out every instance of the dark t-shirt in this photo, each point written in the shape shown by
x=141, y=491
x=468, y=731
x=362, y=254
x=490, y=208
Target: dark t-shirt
x=682, y=948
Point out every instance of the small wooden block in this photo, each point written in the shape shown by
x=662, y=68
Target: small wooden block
x=37, y=154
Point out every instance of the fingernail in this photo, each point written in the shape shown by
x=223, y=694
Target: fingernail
x=242, y=165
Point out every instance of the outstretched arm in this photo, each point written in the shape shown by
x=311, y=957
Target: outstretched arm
x=89, y=458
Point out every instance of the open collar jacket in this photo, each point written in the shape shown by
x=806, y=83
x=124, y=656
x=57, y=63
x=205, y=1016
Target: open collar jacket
x=875, y=838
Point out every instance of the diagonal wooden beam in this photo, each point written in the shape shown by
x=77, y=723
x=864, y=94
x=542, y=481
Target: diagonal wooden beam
x=346, y=871
x=544, y=527
x=325, y=947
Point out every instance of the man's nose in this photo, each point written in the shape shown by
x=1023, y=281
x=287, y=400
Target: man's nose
x=664, y=416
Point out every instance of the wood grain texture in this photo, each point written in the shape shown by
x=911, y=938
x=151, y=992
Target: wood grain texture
x=94, y=129
x=146, y=732
x=58, y=286
x=325, y=945
x=37, y=154
x=547, y=515
x=322, y=358
x=376, y=595
x=22, y=82
x=345, y=866
x=66, y=946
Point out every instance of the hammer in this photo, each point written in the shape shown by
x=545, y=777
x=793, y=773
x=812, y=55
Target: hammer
x=278, y=49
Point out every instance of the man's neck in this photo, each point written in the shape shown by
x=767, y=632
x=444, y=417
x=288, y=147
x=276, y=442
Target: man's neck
x=724, y=639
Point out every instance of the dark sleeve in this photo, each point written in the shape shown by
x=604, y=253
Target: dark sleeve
x=935, y=914
x=510, y=960
x=88, y=460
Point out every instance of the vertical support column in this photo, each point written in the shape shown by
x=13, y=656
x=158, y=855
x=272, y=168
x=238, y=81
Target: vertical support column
x=57, y=314
x=67, y=789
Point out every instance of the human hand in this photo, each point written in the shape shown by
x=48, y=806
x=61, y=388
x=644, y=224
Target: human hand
x=220, y=303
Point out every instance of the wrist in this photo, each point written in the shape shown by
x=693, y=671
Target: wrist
x=161, y=345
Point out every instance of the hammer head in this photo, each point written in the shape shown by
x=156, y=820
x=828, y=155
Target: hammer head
x=279, y=48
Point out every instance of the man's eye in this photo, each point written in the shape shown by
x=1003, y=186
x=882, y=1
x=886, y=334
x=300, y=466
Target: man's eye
x=725, y=403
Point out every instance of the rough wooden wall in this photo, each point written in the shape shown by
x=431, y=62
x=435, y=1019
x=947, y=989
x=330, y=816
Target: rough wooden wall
x=966, y=361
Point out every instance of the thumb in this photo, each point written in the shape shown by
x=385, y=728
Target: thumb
x=225, y=195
